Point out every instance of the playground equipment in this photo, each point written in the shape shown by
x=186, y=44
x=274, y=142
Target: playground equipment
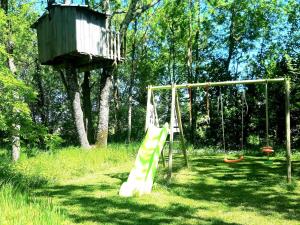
x=220, y=102
x=284, y=81
x=141, y=177
x=268, y=150
x=234, y=160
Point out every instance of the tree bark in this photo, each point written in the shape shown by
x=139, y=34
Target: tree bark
x=105, y=89
x=16, y=148
x=74, y=96
x=87, y=106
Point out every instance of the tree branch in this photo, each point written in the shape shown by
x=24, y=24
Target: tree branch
x=144, y=8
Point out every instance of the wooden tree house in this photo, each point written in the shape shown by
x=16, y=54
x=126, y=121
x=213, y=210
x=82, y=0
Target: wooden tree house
x=76, y=35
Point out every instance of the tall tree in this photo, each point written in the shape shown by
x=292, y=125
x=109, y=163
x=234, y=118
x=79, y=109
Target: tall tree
x=16, y=147
x=87, y=105
x=105, y=91
x=71, y=82
x=131, y=82
x=134, y=10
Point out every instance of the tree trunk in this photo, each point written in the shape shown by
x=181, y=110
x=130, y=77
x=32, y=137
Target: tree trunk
x=117, y=104
x=74, y=95
x=106, y=79
x=231, y=41
x=190, y=71
x=105, y=89
x=87, y=106
x=132, y=75
x=41, y=103
x=16, y=147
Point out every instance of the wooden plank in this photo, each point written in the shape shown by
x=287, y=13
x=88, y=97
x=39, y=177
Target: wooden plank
x=170, y=161
x=163, y=157
x=183, y=142
x=115, y=46
x=111, y=45
x=108, y=43
x=119, y=46
x=288, y=131
x=155, y=111
x=149, y=93
x=221, y=83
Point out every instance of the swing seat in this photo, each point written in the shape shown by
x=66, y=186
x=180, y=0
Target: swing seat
x=267, y=149
x=234, y=160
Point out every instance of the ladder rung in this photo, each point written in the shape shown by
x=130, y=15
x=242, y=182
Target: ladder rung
x=173, y=141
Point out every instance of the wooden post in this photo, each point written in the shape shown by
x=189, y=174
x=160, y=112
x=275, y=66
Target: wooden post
x=115, y=46
x=172, y=120
x=155, y=111
x=111, y=44
x=149, y=93
x=119, y=46
x=288, y=131
x=267, y=113
x=183, y=144
x=108, y=44
x=221, y=83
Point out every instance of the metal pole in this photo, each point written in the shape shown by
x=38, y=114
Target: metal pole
x=288, y=131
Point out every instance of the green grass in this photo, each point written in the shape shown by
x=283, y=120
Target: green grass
x=84, y=187
x=20, y=209
x=74, y=162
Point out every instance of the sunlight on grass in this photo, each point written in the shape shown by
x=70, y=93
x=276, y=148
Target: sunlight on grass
x=84, y=185
x=74, y=162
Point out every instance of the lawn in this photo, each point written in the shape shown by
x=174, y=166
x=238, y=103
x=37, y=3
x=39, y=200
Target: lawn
x=77, y=187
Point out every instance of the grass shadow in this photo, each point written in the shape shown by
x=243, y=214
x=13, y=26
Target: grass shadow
x=123, y=211
x=251, y=184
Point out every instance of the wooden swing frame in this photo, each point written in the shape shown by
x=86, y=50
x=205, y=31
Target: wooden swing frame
x=175, y=106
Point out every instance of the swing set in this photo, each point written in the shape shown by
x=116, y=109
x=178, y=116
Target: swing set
x=152, y=118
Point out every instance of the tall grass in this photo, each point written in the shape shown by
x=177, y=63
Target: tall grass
x=20, y=209
x=17, y=204
x=73, y=162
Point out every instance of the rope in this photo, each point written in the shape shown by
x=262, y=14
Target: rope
x=244, y=102
x=220, y=103
x=207, y=104
x=267, y=113
x=190, y=105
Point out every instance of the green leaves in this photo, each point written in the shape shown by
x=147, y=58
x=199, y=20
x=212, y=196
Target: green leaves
x=12, y=105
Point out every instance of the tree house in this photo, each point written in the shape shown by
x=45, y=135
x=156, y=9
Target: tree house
x=77, y=35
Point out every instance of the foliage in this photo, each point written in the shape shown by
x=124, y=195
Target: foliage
x=13, y=107
x=227, y=40
x=53, y=141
